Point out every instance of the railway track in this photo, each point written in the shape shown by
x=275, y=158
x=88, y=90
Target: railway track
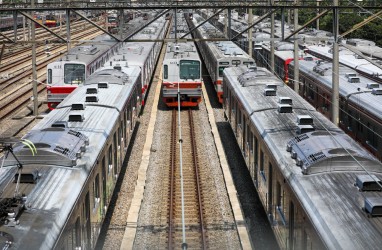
x=193, y=198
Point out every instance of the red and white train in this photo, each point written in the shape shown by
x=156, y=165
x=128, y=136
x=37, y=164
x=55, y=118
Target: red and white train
x=71, y=70
x=182, y=72
x=65, y=74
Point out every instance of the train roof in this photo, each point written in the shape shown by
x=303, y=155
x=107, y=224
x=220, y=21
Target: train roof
x=358, y=93
x=65, y=156
x=89, y=52
x=349, y=59
x=323, y=173
x=223, y=49
x=135, y=53
x=365, y=46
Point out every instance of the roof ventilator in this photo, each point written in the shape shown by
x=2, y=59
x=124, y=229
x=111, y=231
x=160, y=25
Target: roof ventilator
x=372, y=85
x=376, y=91
x=91, y=98
x=91, y=91
x=76, y=118
x=78, y=106
x=373, y=206
x=271, y=86
x=269, y=92
x=27, y=177
x=59, y=124
x=302, y=129
x=368, y=183
x=304, y=120
x=285, y=108
x=285, y=100
x=103, y=85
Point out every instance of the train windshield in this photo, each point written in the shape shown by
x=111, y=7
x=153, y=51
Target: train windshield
x=189, y=69
x=74, y=73
x=221, y=69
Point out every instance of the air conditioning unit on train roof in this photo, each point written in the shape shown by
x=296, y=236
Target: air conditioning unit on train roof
x=372, y=85
x=285, y=100
x=304, y=120
x=373, y=206
x=367, y=182
x=377, y=91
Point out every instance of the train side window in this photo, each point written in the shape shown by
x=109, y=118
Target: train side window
x=110, y=159
x=87, y=219
x=262, y=165
x=49, y=76
x=372, y=138
x=96, y=190
x=250, y=140
x=270, y=187
x=78, y=233
x=116, y=147
x=165, y=71
x=280, y=202
x=350, y=121
x=104, y=178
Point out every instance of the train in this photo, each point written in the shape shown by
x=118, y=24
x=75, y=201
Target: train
x=217, y=55
x=49, y=20
x=7, y=22
x=319, y=187
x=145, y=55
x=360, y=100
x=182, y=70
x=352, y=60
x=58, y=180
x=72, y=69
x=360, y=94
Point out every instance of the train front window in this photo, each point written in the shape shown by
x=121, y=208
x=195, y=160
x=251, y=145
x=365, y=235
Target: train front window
x=221, y=69
x=189, y=69
x=49, y=76
x=165, y=71
x=74, y=73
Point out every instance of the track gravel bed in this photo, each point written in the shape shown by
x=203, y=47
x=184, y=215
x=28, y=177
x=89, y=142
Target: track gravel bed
x=152, y=224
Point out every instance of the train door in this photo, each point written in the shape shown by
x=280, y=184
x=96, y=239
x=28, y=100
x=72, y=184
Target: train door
x=291, y=225
x=104, y=197
x=116, y=154
x=256, y=158
x=270, y=191
x=87, y=222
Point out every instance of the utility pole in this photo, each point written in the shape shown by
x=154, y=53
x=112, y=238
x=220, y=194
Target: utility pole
x=296, y=71
x=250, y=43
x=34, y=73
x=271, y=3
x=335, y=76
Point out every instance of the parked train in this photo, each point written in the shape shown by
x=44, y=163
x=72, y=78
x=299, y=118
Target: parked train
x=319, y=187
x=71, y=70
x=360, y=97
x=182, y=70
x=217, y=55
x=68, y=72
x=145, y=55
x=49, y=20
x=7, y=22
x=360, y=100
x=57, y=183
x=352, y=60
